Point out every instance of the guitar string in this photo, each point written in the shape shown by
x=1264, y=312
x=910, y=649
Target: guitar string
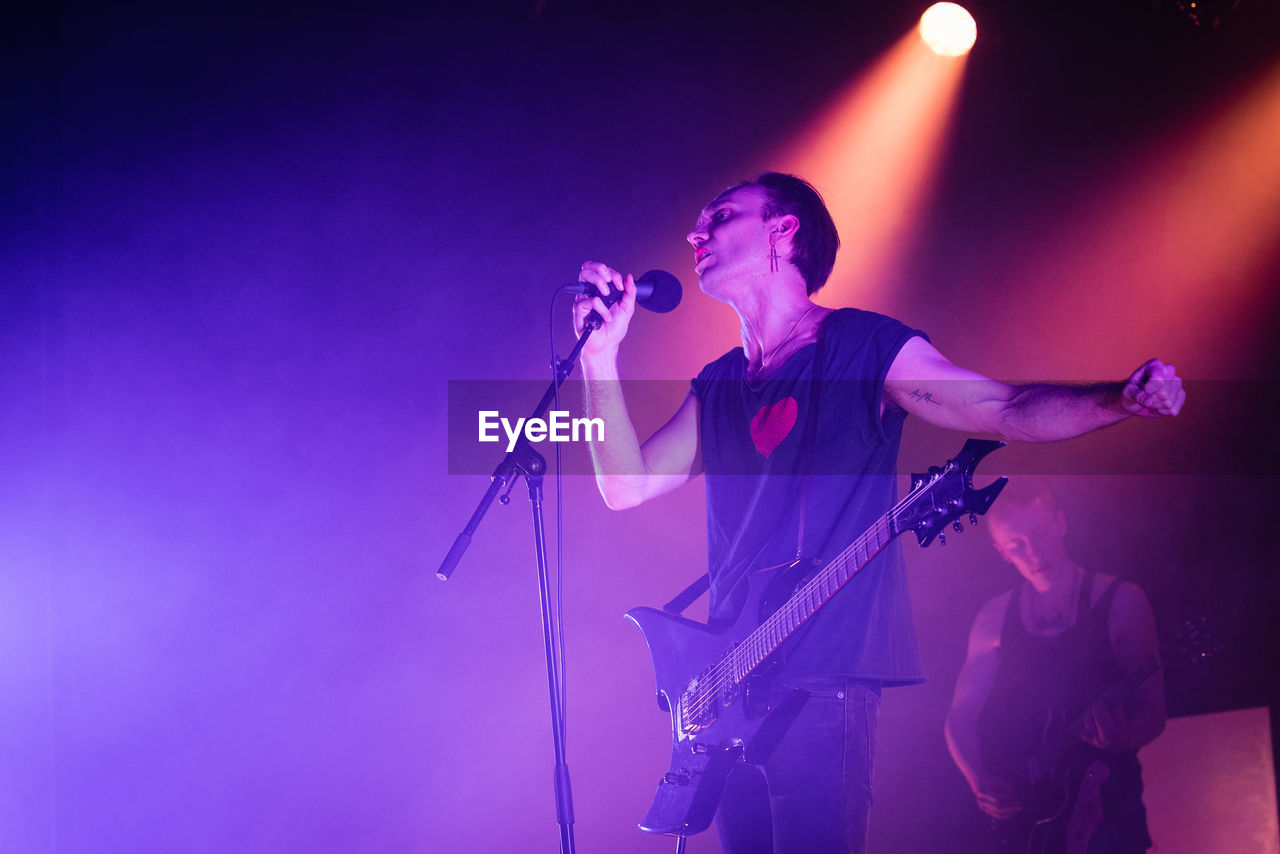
x=723, y=672
x=761, y=642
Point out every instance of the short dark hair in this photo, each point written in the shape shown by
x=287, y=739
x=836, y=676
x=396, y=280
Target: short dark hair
x=1023, y=492
x=814, y=248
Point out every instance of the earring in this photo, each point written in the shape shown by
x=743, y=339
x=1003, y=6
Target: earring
x=773, y=257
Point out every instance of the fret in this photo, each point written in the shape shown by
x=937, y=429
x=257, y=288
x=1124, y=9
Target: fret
x=806, y=601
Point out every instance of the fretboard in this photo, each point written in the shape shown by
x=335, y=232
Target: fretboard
x=812, y=595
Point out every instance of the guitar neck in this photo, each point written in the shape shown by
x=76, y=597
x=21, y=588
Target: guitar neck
x=935, y=499
x=806, y=601
x=1119, y=691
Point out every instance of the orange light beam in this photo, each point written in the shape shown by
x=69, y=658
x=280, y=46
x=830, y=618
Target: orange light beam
x=873, y=154
x=1171, y=254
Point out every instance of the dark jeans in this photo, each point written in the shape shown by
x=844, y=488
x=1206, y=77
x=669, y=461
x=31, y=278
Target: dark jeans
x=813, y=794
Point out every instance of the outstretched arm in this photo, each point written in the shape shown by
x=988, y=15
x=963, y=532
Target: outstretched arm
x=628, y=472
x=925, y=383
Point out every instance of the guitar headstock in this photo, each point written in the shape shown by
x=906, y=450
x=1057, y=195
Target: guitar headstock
x=946, y=493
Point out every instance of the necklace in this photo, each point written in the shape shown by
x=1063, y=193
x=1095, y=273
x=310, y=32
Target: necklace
x=1061, y=619
x=765, y=362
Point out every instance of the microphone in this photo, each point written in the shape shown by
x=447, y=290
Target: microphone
x=656, y=290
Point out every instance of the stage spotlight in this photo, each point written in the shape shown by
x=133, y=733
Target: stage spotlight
x=948, y=29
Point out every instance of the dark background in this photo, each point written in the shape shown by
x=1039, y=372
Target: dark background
x=245, y=247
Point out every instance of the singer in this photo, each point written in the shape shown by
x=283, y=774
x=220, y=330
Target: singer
x=797, y=434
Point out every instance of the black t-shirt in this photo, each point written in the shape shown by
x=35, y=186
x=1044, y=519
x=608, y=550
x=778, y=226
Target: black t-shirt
x=751, y=440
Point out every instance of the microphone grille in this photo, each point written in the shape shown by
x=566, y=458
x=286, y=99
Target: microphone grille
x=666, y=292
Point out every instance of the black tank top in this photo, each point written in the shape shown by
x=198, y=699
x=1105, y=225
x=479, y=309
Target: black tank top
x=1055, y=678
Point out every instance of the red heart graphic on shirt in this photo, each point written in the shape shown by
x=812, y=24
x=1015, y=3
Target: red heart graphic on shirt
x=772, y=423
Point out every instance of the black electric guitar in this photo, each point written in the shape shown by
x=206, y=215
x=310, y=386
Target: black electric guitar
x=1060, y=783
x=702, y=673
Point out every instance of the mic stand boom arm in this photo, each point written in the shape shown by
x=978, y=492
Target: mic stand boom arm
x=520, y=460
x=524, y=460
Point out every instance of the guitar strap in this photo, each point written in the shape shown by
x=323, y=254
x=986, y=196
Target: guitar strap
x=702, y=584
x=810, y=438
x=687, y=596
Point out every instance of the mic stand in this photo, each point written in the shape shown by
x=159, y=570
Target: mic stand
x=524, y=460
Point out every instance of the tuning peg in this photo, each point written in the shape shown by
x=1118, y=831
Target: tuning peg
x=942, y=539
x=957, y=527
x=973, y=518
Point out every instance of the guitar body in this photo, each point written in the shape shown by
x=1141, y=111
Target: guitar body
x=706, y=676
x=1086, y=815
x=712, y=736
x=1059, y=813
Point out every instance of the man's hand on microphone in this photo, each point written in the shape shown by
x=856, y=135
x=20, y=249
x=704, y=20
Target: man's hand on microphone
x=605, y=340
